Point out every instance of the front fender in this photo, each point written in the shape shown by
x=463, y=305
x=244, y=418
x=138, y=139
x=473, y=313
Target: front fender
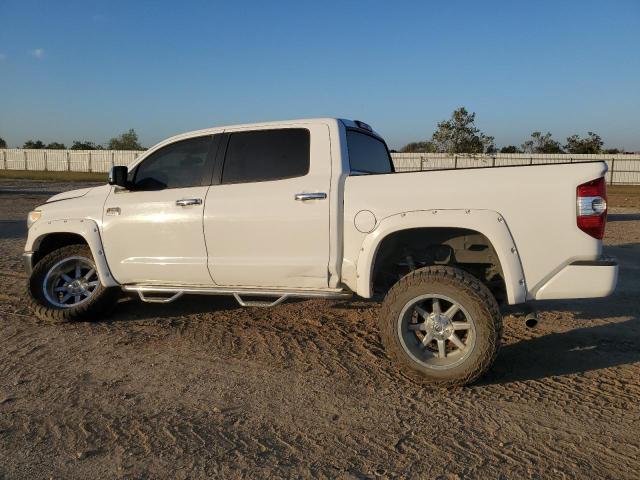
x=87, y=229
x=487, y=222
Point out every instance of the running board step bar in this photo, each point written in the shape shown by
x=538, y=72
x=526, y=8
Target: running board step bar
x=258, y=303
x=169, y=299
x=166, y=294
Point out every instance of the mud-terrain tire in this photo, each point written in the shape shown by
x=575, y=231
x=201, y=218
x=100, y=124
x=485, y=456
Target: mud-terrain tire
x=96, y=303
x=409, y=317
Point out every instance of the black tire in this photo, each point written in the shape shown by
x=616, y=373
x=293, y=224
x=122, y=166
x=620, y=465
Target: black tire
x=101, y=302
x=467, y=291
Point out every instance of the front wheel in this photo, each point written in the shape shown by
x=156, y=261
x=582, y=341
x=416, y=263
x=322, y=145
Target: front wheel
x=443, y=324
x=64, y=287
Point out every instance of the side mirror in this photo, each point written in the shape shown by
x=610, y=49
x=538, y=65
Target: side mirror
x=118, y=176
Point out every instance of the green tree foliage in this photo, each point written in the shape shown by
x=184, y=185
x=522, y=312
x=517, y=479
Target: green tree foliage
x=56, y=146
x=460, y=135
x=419, y=147
x=540, y=143
x=84, y=145
x=591, y=144
x=3, y=144
x=613, y=151
x=126, y=141
x=33, y=144
x=510, y=149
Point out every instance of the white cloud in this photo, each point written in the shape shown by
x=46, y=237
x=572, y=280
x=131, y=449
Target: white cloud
x=37, y=53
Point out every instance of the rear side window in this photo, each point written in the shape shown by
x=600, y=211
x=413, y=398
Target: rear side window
x=367, y=154
x=178, y=165
x=263, y=155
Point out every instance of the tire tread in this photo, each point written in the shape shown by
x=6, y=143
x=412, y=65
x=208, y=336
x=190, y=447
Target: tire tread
x=99, y=305
x=457, y=278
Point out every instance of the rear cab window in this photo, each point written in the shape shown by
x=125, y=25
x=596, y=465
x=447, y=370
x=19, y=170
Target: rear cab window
x=367, y=154
x=266, y=155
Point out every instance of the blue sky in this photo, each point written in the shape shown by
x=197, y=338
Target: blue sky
x=92, y=69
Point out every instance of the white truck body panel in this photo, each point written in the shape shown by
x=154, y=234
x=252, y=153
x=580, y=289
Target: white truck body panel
x=537, y=205
x=590, y=280
x=148, y=237
x=256, y=235
x=76, y=212
x=481, y=221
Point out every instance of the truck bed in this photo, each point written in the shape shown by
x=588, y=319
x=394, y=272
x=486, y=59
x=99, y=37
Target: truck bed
x=537, y=204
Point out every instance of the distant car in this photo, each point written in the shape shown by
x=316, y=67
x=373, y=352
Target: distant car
x=313, y=208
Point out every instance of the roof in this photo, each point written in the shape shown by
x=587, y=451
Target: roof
x=243, y=126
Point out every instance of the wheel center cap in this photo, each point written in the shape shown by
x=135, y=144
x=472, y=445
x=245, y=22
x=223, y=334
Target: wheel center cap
x=76, y=286
x=440, y=326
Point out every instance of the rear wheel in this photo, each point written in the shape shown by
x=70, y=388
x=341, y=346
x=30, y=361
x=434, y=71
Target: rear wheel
x=64, y=286
x=443, y=324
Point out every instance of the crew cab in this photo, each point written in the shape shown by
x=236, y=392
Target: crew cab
x=314, y=209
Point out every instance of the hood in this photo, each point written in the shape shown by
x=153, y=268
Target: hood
x=81, y=192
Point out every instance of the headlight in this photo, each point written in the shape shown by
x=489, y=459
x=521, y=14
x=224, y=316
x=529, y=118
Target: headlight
x=33, y=217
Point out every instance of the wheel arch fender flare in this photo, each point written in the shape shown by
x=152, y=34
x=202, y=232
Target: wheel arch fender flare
x=83, y=227
x=489, y=223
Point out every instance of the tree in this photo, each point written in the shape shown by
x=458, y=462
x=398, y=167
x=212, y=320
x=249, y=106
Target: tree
x=540, y=143
x=419, y=147
x=33, y=144
x=56, y=146
x=591, y=144
x=613, y=151
x=126, y=141
x=510, y=149
x=84, y=145
x=460, y=135
x=3, y=144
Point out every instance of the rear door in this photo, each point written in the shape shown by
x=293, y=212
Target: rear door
x=152, y=232
x=267, y=218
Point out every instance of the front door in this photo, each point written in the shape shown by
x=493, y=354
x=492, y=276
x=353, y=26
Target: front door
x=267, y=219
x=152, y=231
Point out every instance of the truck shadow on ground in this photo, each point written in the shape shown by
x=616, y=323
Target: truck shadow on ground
x=578, y=350
x=623, y=217
x=573, y=352
x=131, y=308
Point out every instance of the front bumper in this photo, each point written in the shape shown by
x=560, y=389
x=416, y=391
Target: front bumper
x=27, y=258
x=583, y=279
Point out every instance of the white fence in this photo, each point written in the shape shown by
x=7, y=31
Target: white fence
x=623, y=169
x=65, y=160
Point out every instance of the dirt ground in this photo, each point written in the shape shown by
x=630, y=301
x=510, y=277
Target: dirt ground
x=203, y=388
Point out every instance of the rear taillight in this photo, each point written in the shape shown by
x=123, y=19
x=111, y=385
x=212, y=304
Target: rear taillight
x=592, y=207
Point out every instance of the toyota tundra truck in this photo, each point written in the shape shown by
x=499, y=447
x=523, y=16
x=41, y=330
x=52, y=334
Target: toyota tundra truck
x=314, y=209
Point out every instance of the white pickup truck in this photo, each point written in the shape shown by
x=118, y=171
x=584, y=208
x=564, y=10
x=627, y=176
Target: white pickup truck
x=313, y=208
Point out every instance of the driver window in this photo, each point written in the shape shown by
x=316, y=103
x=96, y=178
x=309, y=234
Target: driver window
x=179, y=165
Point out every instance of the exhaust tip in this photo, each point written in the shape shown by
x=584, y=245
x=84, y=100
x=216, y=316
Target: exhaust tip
x=531, y=320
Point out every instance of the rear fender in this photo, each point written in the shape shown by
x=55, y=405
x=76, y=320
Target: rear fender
x=487, y=222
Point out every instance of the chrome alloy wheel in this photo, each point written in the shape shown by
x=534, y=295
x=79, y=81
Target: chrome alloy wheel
x=436, y=331
x=70, y=282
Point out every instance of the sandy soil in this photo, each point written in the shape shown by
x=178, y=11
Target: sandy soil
x=202, y=388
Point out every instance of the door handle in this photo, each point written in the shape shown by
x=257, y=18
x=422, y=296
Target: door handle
x=185, y=202
x=310, y=196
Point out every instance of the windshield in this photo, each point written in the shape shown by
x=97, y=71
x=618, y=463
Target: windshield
x=367, y=154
